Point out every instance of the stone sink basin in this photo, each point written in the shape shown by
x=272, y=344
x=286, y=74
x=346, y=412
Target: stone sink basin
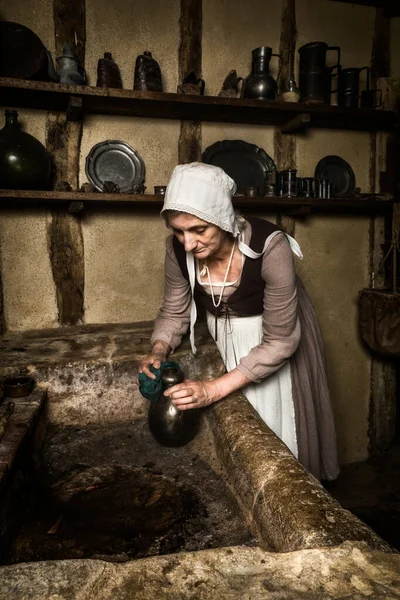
x=231, y=515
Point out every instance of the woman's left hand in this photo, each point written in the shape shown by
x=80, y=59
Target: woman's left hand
x=192, y=394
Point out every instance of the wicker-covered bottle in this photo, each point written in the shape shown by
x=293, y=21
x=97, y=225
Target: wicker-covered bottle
x=147, y=74
x=108, y=74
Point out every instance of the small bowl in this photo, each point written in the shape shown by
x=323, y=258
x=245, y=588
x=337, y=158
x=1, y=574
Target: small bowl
x=160, y=189
x=251, y=192
x=17, y=387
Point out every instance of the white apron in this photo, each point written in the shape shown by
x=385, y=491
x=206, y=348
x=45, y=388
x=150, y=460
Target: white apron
x=272, y=398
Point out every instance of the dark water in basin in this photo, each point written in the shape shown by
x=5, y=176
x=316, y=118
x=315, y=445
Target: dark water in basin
x=114, y=493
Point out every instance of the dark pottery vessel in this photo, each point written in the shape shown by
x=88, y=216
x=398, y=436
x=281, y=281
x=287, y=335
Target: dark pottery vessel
x=22, y=53
x=108, y=74
x=259, y=83
x=18, y=387
x=147, y=74
x=170, y=426
x=25, y=163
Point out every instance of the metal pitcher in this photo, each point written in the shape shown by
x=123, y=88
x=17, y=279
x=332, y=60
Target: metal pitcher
x=259, y=83
x=349, y=86
x=315, y=77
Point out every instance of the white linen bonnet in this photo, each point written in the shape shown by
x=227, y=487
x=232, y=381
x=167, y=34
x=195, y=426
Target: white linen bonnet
x=204, y=191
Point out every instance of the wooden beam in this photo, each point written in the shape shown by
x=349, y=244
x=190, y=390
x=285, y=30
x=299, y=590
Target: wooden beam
x=2, y=316
x=190, y=24
x=382, y=405
x=285, y=143
x=63, y=140
x=70, y=27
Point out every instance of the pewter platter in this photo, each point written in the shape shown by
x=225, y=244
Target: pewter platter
x=246, y=163
x=115, y=161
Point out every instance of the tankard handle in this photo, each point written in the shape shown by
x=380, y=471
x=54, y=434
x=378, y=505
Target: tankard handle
x=201, y=84
x=368, y=76
x=280, y=67
x=336, y=49
x=337, y=75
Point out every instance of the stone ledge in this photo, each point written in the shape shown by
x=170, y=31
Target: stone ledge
x=287, y=507
x=21, y=423
x=348, y=571
x=85, y=344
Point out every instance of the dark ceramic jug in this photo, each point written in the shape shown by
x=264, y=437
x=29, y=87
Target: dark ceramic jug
x=147, y=74
x=25, y=163
x=169, y=425
x=108, y=74
x=259, y=83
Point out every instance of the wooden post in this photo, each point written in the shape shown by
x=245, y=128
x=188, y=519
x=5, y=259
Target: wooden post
x=285, y=144
x=190, y=24
x=63, y=140
x=382, y=408
x=2, y=317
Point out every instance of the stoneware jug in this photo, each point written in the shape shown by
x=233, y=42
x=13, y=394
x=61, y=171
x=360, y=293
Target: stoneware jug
x=25, y=163
x=69, y=70
x=259, y=83
x=147, y=74
x=169, y=425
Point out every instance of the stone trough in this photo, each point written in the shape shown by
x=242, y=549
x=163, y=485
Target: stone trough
x=91, y=506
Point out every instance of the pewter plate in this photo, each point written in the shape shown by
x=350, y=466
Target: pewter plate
x=246, y=163
x=115, y=161
x=339, y=173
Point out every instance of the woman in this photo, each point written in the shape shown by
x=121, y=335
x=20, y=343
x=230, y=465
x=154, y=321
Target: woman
x=242, y=272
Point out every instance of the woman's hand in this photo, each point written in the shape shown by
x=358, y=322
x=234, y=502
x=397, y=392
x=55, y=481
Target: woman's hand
x=193, y=394
x=159, y=353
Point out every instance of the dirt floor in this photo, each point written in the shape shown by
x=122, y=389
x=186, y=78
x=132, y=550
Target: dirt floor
x=114, y=493
x=371, y=490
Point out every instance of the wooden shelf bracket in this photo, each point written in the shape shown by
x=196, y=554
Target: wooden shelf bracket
x=297, y=124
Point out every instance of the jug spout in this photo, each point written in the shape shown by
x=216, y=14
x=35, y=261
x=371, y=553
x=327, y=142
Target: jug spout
x=52, y=73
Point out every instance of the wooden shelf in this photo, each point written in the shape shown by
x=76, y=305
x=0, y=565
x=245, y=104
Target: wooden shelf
x=76, y=201
x=80, y=100
x=391, y=7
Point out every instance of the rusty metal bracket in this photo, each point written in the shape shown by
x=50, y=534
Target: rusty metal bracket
x=75, y=108
x=75, y=207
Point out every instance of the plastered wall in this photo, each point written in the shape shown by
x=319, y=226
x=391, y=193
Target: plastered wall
x=124, y=248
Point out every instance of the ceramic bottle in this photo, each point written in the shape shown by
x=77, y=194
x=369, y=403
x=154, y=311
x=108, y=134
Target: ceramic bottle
x=25, y=163
x=169, y=425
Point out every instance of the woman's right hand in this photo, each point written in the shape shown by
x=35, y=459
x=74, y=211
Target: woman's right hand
x=159, y=353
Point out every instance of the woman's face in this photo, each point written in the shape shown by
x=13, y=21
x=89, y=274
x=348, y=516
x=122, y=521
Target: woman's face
x=198, y=236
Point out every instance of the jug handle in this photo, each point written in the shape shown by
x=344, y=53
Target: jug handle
x=337, y=67
x=280, y=66
x=337, y=49
x=380, y=99
x=241, y=92
x=201, y=84
x=368, y=75
x=83, y=73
